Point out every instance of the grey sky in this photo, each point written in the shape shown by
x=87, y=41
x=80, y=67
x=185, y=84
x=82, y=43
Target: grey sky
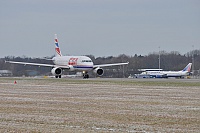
x=98, y=27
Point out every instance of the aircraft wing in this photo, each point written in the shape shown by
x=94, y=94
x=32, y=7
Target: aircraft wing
x=114, y=64
x=37, y=64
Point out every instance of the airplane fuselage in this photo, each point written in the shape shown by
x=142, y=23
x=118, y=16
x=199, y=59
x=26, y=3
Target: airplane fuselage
x=176, y=73
x=167, y=73
x=79, y=63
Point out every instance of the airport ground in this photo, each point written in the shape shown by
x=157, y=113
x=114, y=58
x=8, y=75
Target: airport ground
x=99, y=105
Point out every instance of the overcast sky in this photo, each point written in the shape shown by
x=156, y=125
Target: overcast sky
x=98, y=27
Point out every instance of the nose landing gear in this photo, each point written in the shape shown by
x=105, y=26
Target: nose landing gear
x=85, y=75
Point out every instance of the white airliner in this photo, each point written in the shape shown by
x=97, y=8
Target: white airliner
x=71, y=63
x=166, y=74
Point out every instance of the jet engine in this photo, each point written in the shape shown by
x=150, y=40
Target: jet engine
x=56, y=71
x=99, y=71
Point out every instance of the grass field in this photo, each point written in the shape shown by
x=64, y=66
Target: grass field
x=99, y=105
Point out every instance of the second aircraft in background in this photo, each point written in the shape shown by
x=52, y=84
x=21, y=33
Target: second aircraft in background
x=153, y=73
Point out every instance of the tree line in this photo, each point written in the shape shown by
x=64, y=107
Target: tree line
x=168, y=61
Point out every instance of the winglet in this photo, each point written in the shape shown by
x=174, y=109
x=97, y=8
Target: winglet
x=57, y=48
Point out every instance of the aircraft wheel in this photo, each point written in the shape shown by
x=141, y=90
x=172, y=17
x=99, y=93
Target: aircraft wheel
x=85, y=76
x=59, y=76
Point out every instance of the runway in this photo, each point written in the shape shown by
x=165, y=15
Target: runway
x=99, y=105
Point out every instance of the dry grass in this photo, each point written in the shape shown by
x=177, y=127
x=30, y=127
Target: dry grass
x=52, y=105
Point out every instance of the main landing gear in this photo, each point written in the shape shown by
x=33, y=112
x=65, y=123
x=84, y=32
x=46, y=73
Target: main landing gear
x=59, y=76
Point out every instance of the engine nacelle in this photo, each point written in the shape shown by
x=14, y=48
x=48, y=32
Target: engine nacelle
x=56, y=71
x=99, y=71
